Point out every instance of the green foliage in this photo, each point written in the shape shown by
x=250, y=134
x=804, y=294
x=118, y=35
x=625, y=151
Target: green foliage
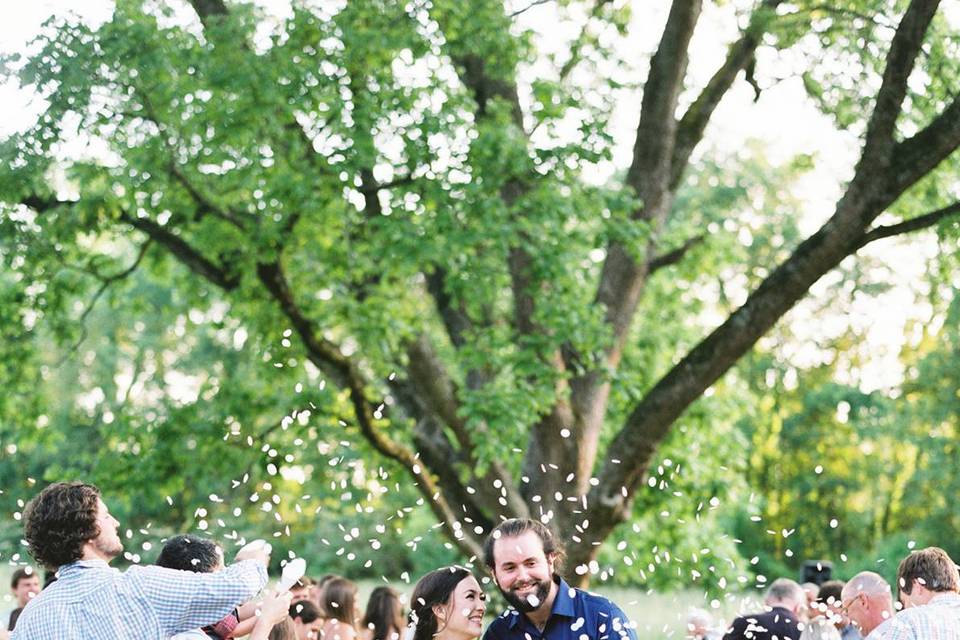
x=342, y=145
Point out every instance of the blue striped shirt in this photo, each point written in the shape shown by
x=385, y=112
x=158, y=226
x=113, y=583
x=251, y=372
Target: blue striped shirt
x=91, y=601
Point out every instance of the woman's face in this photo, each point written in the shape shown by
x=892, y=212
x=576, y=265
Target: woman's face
x=463, y=616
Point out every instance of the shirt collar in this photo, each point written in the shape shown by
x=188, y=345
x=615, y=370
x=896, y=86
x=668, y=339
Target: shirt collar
x=945, y=597
x=80, y=565
x=562, y=604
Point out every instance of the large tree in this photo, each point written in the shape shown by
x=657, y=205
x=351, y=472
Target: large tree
x=394, y=191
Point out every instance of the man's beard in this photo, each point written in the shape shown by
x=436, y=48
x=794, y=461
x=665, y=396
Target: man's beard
x=523, y=604
x=109, y=549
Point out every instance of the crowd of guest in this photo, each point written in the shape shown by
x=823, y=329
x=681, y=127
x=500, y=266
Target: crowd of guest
x=926, y=607
x=191, y=593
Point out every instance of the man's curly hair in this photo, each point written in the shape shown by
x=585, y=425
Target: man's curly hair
x=59, y=521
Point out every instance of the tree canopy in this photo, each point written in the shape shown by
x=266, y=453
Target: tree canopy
x=376, y=219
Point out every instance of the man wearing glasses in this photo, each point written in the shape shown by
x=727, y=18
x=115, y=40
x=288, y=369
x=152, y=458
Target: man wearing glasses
x=868, y=602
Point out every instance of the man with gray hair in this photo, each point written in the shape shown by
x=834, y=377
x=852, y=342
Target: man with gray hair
x=867, y=601
x=784, y=602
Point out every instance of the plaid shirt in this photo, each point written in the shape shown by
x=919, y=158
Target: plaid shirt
x=91, y=601
x=939, y=619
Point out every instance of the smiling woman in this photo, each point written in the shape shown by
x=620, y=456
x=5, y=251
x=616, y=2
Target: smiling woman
x=447, y=604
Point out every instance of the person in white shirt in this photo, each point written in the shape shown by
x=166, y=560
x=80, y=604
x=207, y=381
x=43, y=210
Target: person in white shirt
x=68, y=527
x=929, y=583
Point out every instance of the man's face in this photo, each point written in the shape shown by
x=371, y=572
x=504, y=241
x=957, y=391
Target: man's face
x=918, y=596
x=307, y=630
x=107, y=544
x=26, y=588
x=523, y=572
x=300, y=593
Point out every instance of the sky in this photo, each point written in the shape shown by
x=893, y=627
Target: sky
x=783, y=118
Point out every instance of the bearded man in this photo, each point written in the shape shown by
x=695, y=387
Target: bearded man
x=524, y=558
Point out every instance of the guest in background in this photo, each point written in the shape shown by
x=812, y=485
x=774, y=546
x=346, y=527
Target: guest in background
x=340, y=607
x=24, y=585
x=307, y=621
x=383, y=619
x=867, y=600
x=829, y=602
x=785, y=601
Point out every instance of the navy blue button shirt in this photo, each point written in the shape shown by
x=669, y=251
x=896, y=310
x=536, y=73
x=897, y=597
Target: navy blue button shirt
x=576, y=615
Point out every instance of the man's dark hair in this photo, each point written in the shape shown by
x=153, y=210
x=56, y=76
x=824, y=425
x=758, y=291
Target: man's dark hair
x=190, y=553
x=830, y=591
x=59, y=521
x=932, y=568
x=23, y=573
x=305, y=610
x=518, y=526
x=432, y=589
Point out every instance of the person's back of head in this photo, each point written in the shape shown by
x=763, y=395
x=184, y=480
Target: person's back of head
x=786, y=593
x=924, y=574
x=384, y=614
x=305, y=611
x=829, y=600
x=699, y=623
x=283, y=630
x=830, y=591
x=191, y=553
x=340, y=600
x=59, y=521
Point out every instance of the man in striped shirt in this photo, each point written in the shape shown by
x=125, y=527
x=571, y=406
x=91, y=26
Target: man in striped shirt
x=929, y=584
x=68, y=526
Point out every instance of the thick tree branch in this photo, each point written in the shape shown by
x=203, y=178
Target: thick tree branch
x=879, y=142
x=918, y=155
x=182, y=251
x=433, y=384
x=209, y=10
x=740, y=55
x=177, y=246
x=651, y=419
x=925, y=221
x=344, y=372
x=622, y=278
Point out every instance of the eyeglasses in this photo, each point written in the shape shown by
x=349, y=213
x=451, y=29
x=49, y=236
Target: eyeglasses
x=846, y=607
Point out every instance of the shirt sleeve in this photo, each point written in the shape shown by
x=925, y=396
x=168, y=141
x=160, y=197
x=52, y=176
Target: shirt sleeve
x=183, y=600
